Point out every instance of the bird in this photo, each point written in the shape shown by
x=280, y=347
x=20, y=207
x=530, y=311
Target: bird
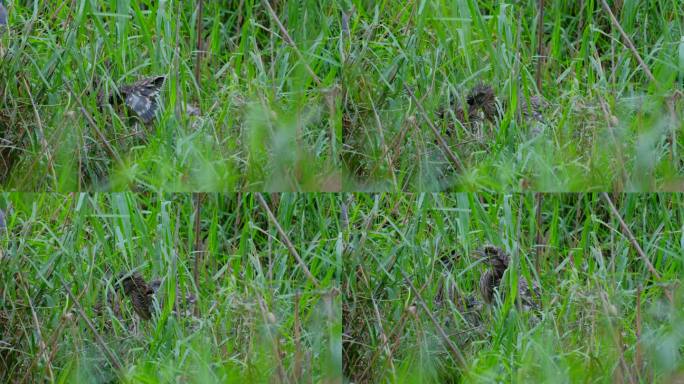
x=140, y=97
x=482, y=104
x=482, y=98
x=490, y=281
x=136, y=288
x=533, y=109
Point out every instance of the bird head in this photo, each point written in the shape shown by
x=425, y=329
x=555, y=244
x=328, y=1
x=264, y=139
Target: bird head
x=493, y=256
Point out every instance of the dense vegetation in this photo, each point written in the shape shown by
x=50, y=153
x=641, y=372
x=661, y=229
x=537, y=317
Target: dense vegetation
x=257, y=110
x=605, y=313
x=441, y=110
x=259, y=311
x=609, y=122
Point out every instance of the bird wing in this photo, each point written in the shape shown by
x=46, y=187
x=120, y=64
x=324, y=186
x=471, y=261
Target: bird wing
x=141, y=97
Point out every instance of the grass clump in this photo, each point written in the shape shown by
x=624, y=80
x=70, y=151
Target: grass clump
x=413, y=311
x=231, y=301
x=588, y=116
x=243, y=107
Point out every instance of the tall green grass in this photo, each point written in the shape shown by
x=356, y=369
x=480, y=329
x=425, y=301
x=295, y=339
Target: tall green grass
x=258, y=317
x=608, y=126
x=603, y=317
x=267, y=123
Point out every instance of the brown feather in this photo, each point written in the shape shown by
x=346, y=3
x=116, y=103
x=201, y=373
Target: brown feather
x=135, y=287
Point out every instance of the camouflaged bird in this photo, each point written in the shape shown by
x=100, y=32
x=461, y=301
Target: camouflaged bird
x=140, y=97
x=482, y=98
x=482, y=104
x=135, y=287
x=490, y=281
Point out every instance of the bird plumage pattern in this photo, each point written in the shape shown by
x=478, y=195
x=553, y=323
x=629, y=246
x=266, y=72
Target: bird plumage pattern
x=491, y=280
x=135, y=287
x=141, y=96
x=482, y=97
x=481, y=103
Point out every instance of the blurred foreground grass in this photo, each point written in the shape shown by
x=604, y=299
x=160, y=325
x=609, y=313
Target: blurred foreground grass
x=260, y=315
x=269, y=117
x=604, y=315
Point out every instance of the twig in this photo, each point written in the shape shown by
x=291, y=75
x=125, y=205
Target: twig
x=674, y=120
x=456, y=354
x=396, y=334
x=41, y=342
x=394, y=147
x=92, y=123
x=198, y=60
x=452, y=157
x=539, y=198
x=540, y=33
x=286, y=240
x=43, y=140
x=367, y=226
x=269, y=323
x=611, y=125
x=617, y=338
x=198, y=241
x=288, y=40
x=297, y=365
x=383, y=335
x=631, y=237
x=381, y=136
x=113, y=360
x=628, y=41
x=638, y=359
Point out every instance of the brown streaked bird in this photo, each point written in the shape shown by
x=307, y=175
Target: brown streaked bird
x=140, y=97
x=481, y=103
x=496, y=257
x=482, y=97
x=487, y=285
x=135, y=287
x=490, y=280
x=534, y=108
